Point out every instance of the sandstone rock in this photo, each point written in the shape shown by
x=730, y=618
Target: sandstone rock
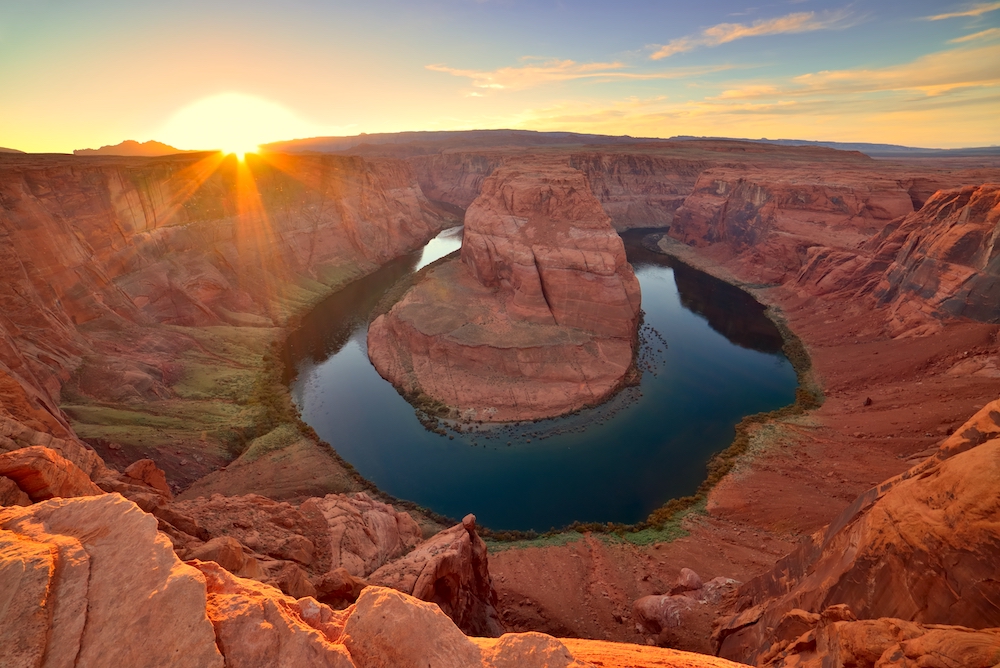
x=114, y=593
x=944, y=258
x=655, y=613
x=885, y=643
x=26, y=571
x=15, y=435
x=688, y=580
x=920, y=547
x=452, y=570
x=288, y=577
x=225, y=551
x=528, y=650
x=256, y=625
x=43, y=474
x=146, y=472
x=11, y=494
x=609, y=654
x=388, y=629
x=273, y=528
x=339, y=588
x=537, y=319
x=363, y=534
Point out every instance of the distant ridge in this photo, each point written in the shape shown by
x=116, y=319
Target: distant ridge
x=873, y=150
x=9, y=150
x=131, y=147
x=414, y=143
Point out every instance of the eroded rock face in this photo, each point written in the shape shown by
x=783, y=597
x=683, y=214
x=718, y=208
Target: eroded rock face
x=921, y=547
x=452, y=570
x=257, y=625
x=101, y=587
x=364, y=534
x=43, y=474
x=947, y=258
x=537, y=319
x=881, y=643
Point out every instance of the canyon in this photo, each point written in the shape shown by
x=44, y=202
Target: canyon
x=142, y=301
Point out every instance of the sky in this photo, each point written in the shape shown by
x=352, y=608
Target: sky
x=210, y=74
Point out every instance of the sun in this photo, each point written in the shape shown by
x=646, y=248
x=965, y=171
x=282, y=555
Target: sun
x=233, y=123
x=239, y=149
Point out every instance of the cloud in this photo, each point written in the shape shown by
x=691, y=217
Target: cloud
x=724, y=33
x=975, y=10
x=947, y=98
x=538, y=72
x=933, y=74
x=989, y=33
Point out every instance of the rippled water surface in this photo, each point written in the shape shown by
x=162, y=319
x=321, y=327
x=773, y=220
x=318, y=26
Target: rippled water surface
x=709, y=355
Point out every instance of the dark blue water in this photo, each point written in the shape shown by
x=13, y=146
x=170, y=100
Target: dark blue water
x=709, y=355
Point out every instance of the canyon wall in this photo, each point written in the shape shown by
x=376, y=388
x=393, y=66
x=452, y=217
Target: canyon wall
x=536, y=319
x=120, y=272
x=921, y=547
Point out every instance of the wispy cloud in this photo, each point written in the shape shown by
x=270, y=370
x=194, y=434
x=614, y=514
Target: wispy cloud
x=989, y=33
x=933, y=74
x=977, y=9
x=942, y=99
x=538, y=72
x=724, y=33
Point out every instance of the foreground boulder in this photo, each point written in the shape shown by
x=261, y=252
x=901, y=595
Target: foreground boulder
x=538, y=318
x=42, y=473
x=452, y=570
x=90, y=582
x=922, y=547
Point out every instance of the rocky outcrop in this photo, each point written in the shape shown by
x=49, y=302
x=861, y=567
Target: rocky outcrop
x=256, y=625
x=451, y=569
x=936, y=263
x=921, y=547
x=539, y=316
x=42, y=474
x=363, y=534
x=836, y=639
x=946, y=260
x=90, y=582
x=684, y=616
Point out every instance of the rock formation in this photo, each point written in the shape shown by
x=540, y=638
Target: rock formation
x=452, y=570
x=90, y=582
x=921, y=547
x=935, y=263
x=539, y=316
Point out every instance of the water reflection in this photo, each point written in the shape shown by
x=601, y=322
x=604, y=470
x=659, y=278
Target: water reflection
x=728, y=310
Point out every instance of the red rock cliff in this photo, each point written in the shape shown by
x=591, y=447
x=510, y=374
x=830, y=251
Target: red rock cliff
x=537, y=319
x=99, y=254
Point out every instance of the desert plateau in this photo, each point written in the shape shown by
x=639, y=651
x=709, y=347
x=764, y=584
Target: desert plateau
x=462, y=359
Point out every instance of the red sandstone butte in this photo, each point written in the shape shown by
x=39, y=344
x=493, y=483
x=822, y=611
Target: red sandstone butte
x=537, y=319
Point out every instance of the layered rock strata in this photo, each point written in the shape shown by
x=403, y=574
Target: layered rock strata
x=536, y=319
x=921, y=547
